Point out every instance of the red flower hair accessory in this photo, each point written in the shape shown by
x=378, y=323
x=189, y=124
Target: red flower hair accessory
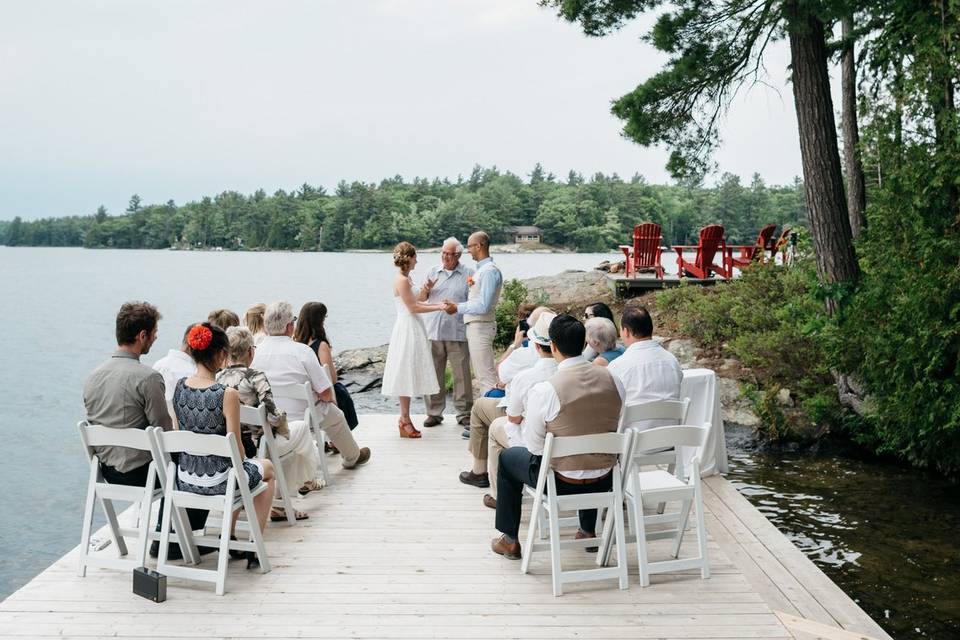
x=199, y=337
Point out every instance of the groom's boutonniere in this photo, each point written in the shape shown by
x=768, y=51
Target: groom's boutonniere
x=469, y=281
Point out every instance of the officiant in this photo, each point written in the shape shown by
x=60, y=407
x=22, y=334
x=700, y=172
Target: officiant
x=448, y=334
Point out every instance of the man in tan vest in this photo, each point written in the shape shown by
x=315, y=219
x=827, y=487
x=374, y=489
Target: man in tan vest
x=579, y=399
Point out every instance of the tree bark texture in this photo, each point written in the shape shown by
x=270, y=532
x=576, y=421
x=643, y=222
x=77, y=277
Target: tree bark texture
x=822, y=175
x=856, y=190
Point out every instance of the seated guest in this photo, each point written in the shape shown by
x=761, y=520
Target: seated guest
x=505, y=432
x=579, y=399
x=310, y=331
x=648, y=371
x=287, y=362
x=223, y=318
x=520, y=354
x=206, y=406
x=602, y=338
x=595, y=310
x=122, y=393
x=175, y=365
x=294, y=442
x=253, y=320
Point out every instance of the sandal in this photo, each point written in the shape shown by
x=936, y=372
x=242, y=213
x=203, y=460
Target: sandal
x=328, y=447
x=279, y=514
x=407, y=430
x=309, y=486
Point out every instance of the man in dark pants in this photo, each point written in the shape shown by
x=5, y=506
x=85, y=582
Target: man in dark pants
x=122, y=393
x=579, y=399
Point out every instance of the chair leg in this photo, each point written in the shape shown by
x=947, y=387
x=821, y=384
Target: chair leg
x=256, y=533
x=527, y=549
x=636, y=514
x=681, y=527
x=621, y=540
x=282, y=487
x=144, y=519
x=324, y=471
x=169, y=506
x=224, y=555
x=556, y=570
x=181, y=523
x=84, y=550
x=701, y=534
x=114, y=525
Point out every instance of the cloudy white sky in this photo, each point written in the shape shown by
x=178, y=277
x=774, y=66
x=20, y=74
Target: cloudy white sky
x=179, y=99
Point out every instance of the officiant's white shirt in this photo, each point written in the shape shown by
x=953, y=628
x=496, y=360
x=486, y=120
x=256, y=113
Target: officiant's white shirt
x=287, y=362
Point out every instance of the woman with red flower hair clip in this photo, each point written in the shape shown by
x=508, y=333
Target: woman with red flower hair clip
x=203, y=405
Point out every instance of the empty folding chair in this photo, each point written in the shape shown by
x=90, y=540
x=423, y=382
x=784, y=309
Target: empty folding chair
x=257, y=416
x=651, y=488
x=305, y=393
x=546, y=499
x=665, y=412
x=165, y=443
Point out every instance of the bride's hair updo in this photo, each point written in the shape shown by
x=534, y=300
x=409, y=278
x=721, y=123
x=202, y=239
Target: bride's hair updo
x=402, y=255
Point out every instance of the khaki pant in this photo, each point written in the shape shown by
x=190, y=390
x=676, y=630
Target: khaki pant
x=485, y=411
x=498, y=441
x=336, y=428
x=458, y=354
x=480, y=337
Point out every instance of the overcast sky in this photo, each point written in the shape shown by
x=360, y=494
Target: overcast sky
x=180, y=99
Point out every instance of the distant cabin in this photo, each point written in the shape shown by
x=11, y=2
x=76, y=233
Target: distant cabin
x=525, y=235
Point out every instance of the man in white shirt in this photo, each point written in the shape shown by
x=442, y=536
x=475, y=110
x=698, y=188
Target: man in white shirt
x=284, y=361
x=647, y=371
x=505, y=431
x=518, y=356
x=175, y=365
x=579, y=399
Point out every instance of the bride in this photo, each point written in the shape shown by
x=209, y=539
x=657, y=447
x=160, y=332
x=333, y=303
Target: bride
x=409, y=369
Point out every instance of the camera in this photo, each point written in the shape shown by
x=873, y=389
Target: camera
x=523, y=325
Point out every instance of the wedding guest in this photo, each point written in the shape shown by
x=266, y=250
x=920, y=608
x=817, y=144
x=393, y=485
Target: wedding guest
x=579, y=399
x=648, y=371
x=253, y=320
x=310, y=330
x=122, y=393
x=505, y=432
x=448, y=334
x=203, y=405
x=409, y=369
x=295, y=444
x=479, y=310
x=518, y=356
x=223, y=318
x=175, y=365
x=602, y=338
x=284, y=361
x=595, y=310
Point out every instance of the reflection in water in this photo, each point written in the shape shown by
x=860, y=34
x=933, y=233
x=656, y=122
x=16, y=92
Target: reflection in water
x=887, y=535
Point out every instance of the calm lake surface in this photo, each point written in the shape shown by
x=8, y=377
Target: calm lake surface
x=885, y=534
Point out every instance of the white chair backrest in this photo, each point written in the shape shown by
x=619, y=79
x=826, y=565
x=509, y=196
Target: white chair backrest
x=611, y=443
x=657, y=410
x=256, y=416
x=296, y=391
x=95, y=435
x=682, y=435
x=201, y=444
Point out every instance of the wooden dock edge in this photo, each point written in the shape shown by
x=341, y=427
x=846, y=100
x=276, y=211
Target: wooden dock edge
x=807, y=601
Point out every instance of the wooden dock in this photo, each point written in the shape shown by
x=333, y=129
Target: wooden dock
x=400, y=549
x=623, y=287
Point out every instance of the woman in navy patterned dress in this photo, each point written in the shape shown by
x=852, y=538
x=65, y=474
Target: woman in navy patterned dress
x=203, y=405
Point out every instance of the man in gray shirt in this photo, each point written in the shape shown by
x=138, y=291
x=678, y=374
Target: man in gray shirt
x=448, y=334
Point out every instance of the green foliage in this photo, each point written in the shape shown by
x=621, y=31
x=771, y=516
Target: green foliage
x=586, y=215
x=512, y=295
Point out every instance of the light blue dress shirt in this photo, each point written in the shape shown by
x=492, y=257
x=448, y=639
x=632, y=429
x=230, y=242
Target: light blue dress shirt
x=489, y=280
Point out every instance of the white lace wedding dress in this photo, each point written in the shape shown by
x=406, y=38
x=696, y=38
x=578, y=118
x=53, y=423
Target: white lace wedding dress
x=409, y=369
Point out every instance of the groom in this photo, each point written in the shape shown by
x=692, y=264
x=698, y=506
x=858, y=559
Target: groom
x=478, y=310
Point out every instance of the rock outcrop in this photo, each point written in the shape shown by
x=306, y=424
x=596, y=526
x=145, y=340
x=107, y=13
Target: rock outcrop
x=570, y=289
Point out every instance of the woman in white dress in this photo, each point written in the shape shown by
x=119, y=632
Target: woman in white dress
x=409, y=369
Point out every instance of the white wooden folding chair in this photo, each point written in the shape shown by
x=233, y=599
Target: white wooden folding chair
x=651, y=488
x=257, y=416
x=98, y=490
x=165, y=443
x=304, y=392
x=546, y=499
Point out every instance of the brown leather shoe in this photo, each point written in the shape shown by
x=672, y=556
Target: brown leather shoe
x=361, y=459
x=463, y=421
x=502, y=547
x=583, y=535
x=481, y=480
x=433, y=421
x=489, y=501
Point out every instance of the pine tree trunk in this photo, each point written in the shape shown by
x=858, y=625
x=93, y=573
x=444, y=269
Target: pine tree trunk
x=822, y=176
x=856, y=191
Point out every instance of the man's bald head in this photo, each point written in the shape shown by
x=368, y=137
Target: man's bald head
x=478, y=244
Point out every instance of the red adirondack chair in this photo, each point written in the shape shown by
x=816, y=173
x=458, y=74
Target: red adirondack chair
x=703, y=267
x=749, y=253
x=646, y=250
x=780, y=244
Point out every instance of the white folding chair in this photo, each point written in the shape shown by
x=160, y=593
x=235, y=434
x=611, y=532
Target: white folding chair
x=98, y=490
x=651, y=488
x=304, y=392
x=257, y=416
x=166, y=442
x=552, y=504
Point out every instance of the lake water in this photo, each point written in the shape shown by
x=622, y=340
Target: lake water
x=57, y=325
